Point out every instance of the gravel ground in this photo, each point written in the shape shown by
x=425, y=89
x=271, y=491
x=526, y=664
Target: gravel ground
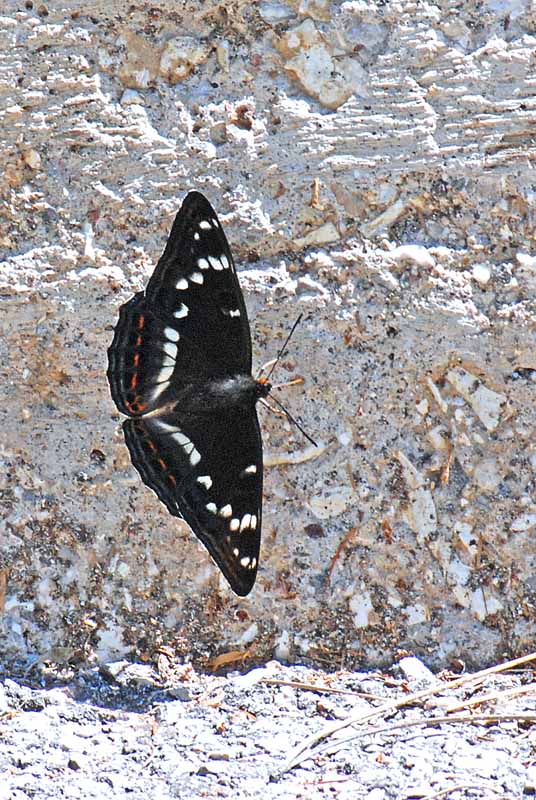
x=167, y=731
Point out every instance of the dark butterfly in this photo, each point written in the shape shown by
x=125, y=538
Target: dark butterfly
x=179, y=367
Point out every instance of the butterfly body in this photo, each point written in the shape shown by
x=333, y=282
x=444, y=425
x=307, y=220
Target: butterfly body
x=179, y=368
x=220, y=395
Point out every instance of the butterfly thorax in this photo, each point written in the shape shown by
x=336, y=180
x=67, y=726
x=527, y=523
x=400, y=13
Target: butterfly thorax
x=221, y=394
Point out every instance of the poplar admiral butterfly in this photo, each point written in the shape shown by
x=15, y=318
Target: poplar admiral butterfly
x=179, y=368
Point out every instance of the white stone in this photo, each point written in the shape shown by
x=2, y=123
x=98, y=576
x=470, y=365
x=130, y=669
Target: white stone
x=361, y=607
x=416, y=614
x=523, y=523
x=481, y=273
x=323, y=235
x=331, y=502
x=487, y=404
x=414, y=669
x=329, y=76
x=413, y=254
x=484, y=603
x=180, y=56
x=420, y=513
x=487, y=474
x=249, y=635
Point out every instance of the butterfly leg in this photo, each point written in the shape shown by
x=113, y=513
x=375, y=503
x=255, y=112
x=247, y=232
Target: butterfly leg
x=266, y=367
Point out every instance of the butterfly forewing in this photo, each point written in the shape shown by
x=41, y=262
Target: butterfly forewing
x=187, y=333
x=207, y=470
x=191, y=322
x=198, y=267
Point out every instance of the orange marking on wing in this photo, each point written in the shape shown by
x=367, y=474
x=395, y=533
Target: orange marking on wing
x=133, y=381
x=136, y=359
x=172, y=480
x=136, y=406
x=162, y=463
x=141, y=322
x=152, y=446
x=139, y=340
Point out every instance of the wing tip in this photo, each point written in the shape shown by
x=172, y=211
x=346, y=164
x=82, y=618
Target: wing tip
x=241, y=581
x=243, y=588
x=197, y=204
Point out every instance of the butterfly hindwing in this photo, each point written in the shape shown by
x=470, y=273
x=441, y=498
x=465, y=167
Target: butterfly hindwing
x=150, y=359
x=191, y=322
x=207, y=470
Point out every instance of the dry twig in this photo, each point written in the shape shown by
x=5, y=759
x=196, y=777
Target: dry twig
x=305, y=750
x=429, y=722
x=460, y=787
x=492, y=697
x=311, y=687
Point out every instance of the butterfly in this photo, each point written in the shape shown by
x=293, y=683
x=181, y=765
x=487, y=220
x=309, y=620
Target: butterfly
x=179, y=368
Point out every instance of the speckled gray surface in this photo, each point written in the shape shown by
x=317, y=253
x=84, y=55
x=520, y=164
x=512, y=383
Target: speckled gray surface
x=393, y=206
x=132, y=730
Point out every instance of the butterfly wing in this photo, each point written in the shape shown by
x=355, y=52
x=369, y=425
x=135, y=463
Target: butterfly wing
x=207, y=470
x=189, y=325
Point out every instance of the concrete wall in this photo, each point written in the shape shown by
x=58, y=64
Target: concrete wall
x=373, y=166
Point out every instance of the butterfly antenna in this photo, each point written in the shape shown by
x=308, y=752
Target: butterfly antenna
x=273, y=365
x=279, y=355
x=291, y=418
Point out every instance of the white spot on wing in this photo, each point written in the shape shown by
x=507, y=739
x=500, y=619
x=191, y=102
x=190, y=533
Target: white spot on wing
x=215, y=263
x=212, y=507
x=195, y=457
x=251, y=470
x=225, y=262
x=196, y=277
x=164, y=375
x=236, y=552
x=248, y=562
x=170, y=350
x=181, y=439
x=205, y=480
x=165, y=427
x=171, y=334
x=181, y=312
x=204, y=225
x=181, y=284
x=202, y=263
x=253, y=523
x=226, y=511
x=234, y=524
x=246, y=522
x=235, y=313
x=161, y=387
x=196, y=236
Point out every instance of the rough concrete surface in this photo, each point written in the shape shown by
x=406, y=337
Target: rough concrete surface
x=373, y=166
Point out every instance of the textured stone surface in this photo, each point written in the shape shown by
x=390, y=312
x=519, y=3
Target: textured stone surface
x=400, y=221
